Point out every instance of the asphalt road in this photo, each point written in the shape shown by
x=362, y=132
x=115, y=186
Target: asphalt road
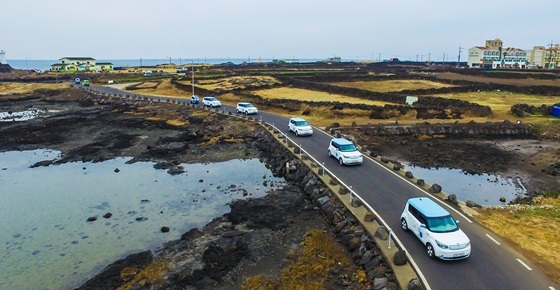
x=492, y=265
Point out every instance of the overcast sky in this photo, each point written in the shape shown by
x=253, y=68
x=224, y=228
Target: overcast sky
x=351, y=29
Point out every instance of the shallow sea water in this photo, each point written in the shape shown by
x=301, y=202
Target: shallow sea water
x=46, y=240
x=484, y=189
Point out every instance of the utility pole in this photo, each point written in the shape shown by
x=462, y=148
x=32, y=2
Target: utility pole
x=459, y=57
x=550, y=65
x=379, y=59
x=140, y=62
x=429, y=57
x=443, y=60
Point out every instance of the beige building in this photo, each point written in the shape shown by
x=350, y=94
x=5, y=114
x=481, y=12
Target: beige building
x=81, y=64
x=543, y=57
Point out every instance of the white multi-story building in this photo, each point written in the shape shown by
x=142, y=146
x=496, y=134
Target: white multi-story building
x=493, y=55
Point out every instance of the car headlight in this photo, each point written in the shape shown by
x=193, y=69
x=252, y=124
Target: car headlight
x=441, y=245
x=345, y=156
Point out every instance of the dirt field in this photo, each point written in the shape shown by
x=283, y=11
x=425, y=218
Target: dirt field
x=516, y=82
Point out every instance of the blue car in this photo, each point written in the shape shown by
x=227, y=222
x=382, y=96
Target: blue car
x=195, y=99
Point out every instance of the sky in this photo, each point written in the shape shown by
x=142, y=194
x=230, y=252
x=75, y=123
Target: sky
x=288, y=29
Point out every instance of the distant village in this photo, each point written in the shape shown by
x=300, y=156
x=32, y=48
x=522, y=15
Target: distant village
x=493, y=55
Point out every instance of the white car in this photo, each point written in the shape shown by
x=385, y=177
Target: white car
x=300, y=127
x=345, y=151
x=246, y=108
x=436, y=229
x=211, y=102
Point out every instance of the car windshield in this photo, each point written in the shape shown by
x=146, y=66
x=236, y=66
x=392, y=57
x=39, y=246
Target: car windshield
x=443, y=224
x=347, y=148
x=302, y=123
x=211, y=99
x=248, y=105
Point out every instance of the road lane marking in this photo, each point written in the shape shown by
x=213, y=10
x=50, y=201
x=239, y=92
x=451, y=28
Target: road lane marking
x=525, y=265
x=417, y=187
x=551, y=288
x=494, y=240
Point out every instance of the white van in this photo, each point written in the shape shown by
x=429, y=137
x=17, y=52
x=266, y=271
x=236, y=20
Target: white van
x=436, y=228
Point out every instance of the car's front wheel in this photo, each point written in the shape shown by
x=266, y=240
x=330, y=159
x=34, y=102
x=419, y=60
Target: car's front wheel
x=237, y=110
x=340, y=161
x=404, y=225
x=329, y=152
x=297, y=134
x=246, y=113
x=430, y=250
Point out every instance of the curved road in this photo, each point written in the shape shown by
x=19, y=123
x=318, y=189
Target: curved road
x=493, y=264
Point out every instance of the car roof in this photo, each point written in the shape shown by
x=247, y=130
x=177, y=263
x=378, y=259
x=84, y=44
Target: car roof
x=428, y=207
x=298, y=119
x=242, y=103
x=342, y=141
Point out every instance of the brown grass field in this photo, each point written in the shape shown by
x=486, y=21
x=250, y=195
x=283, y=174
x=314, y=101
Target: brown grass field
x=22, y=88
x=501, y=102
x=516, y=82
x=535, y=231
x=393, y=85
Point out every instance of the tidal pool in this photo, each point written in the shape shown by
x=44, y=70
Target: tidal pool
x=484, y=189
x=49, y=244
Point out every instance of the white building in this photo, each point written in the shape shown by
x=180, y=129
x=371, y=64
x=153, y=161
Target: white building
x=81, y=64
x=493, y=55
x=542, y=57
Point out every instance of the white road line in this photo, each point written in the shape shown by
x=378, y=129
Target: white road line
x=493, y=240
x=525, y=265
x=551, y=288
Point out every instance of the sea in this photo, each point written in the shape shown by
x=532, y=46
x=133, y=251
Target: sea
x=45, y=64
x=62, y=224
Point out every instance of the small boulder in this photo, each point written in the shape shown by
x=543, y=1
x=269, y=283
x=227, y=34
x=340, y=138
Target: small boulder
x=453, y=198
x=471, y=203
x=107, y=215
x=91, y=219
x=164, y=229
x=400, y=258
x=381, y=233
x=436, y=188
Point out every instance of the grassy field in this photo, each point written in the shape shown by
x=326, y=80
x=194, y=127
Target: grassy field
x=535, y=231
x=235, y=82
x=501, y=102
x=393, y=85
x=515, y=82
x=22, y=88
x=313, y=96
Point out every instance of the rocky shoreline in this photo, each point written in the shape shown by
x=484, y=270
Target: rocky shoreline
x=256, y=238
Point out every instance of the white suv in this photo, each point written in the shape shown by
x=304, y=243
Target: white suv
x=435, y=227
x=211, y=102
x=300, y=127
x=345, y=151
x=246, y=108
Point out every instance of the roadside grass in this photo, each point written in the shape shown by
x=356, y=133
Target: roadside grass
x=532, y=229
x=7, y=88
x=308, y=267
x=394, y=85
x=165, y=88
